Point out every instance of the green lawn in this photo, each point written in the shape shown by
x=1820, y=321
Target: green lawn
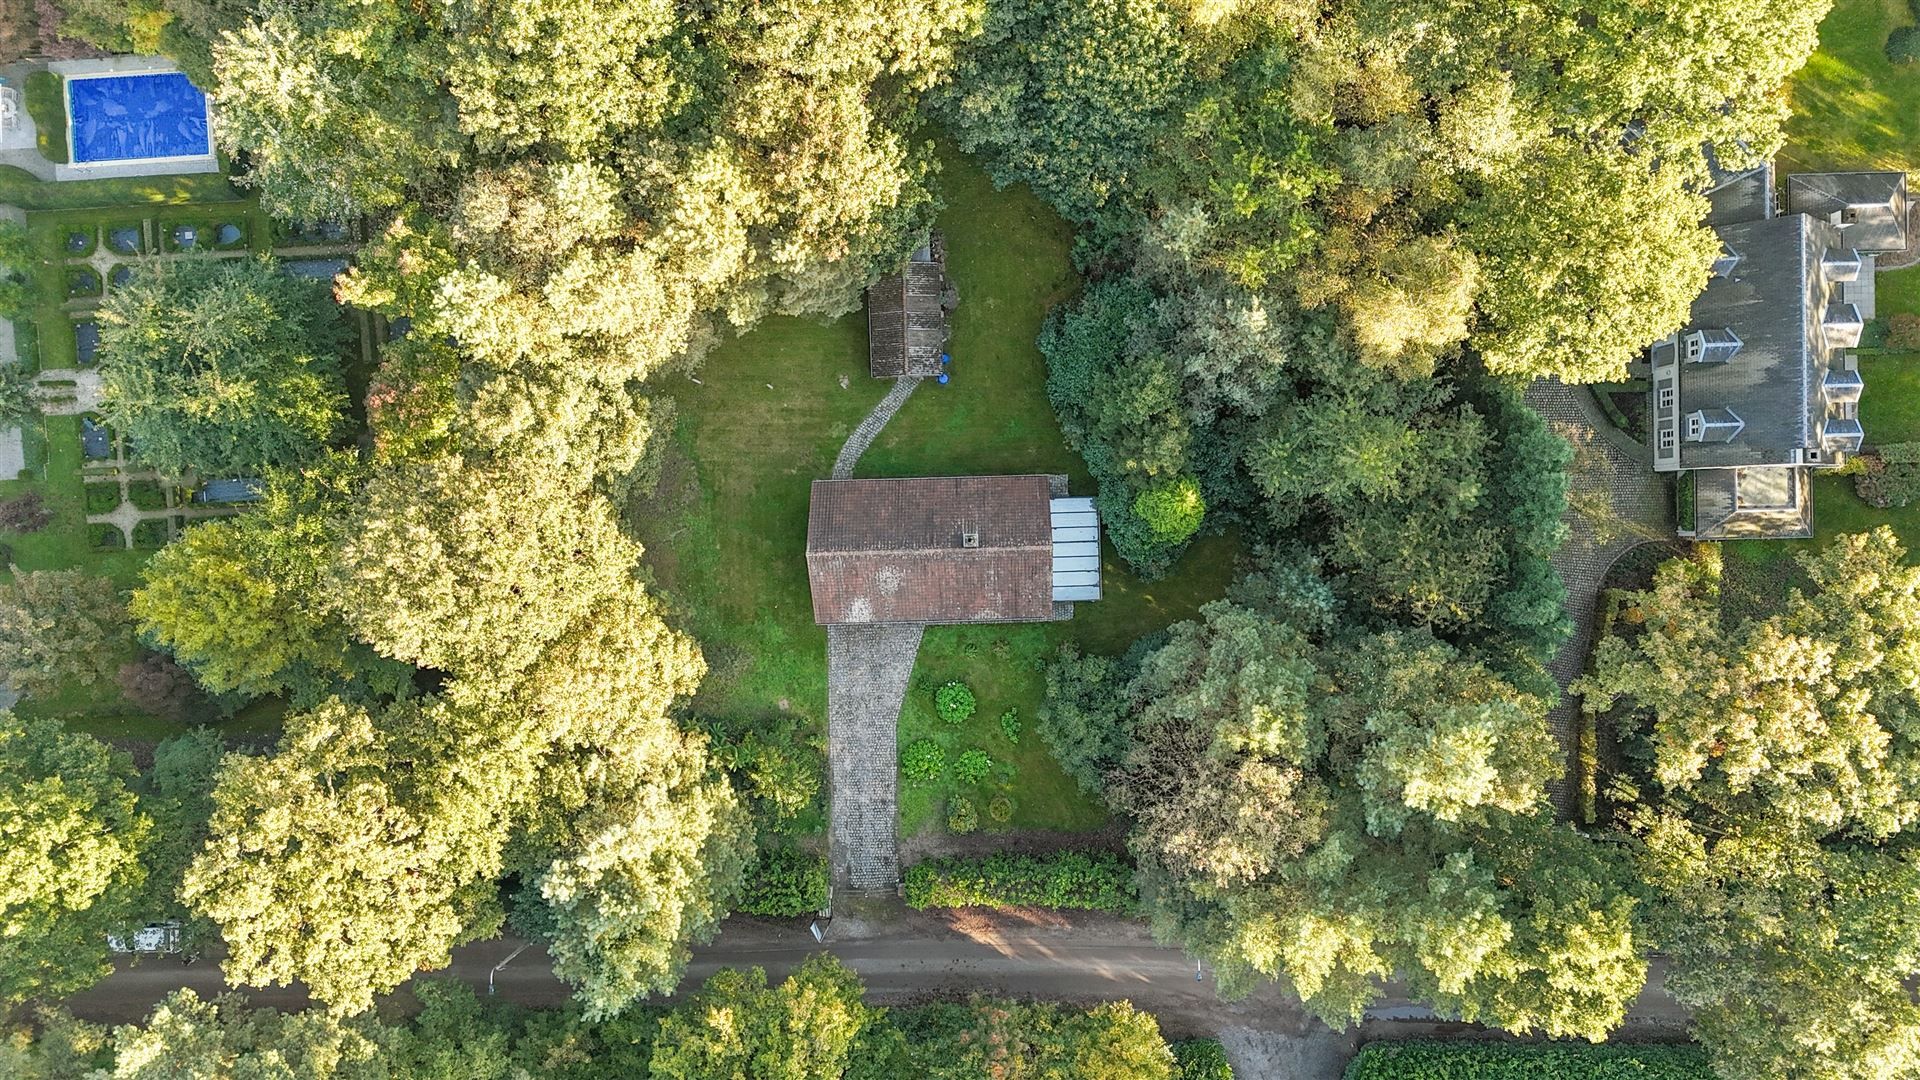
x=726, y=534
x=1852, y=109
x=22, y=189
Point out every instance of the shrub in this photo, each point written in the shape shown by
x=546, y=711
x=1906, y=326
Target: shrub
x=147, y=495
x=923, y=761
x=1200, y=1059
x=962, y=816
x=106, y=538
x=43, y=98
x=24, y=513
x=150, y=534
x=1172, y=511
x=1903, y=45
x=954, y=702
x=1010, y=725
x=1075, y=880
x=1481, y=1061
x=1000, y=809
x=156, y=684
x=102, y=498
x=1891, y=476
x=972, y=767
x=785, y=882
x=1903, y=332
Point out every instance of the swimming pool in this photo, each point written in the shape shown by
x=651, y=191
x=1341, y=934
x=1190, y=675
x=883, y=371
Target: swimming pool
x=145, y=117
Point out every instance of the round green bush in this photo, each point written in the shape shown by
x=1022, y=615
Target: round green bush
x=1010, y=725
x=1903, y=45
x=962, y=817
x=1172, y=511
x=923, y=761
x=972, y=767
x=1000, y=809
x=954, y=702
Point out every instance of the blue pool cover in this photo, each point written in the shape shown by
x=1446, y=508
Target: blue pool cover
x=137, y=117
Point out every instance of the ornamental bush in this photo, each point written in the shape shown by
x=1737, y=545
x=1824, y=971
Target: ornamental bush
x=1891, y=477
x=1903, y=45
x=784, y=882
x=1000, y=809
x=923, y=761
x=1201, y=1059
x=1067, y=880
x=954, y=702
x=1503, y=1061
x=1173, y=510
x=1903, y=329
x=972, y=767
x=962, y=816
x=1010, y=725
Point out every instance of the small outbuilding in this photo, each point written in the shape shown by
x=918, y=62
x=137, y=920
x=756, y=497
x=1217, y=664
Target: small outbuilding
x=907, y=318
x=950, y=549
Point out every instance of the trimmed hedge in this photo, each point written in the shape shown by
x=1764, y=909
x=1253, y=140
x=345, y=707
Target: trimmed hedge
x=785, y=882
x=1078, y=880
x=1507, y=1061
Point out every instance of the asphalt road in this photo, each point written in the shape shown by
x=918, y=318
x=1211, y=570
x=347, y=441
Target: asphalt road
x=907, y=957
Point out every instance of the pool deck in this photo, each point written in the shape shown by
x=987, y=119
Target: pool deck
x=13, y=450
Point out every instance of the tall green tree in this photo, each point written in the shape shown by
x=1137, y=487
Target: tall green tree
x=222, y=367
x=1774, y=800
x=736, y=1025
x=59, y=628
x=70, y=870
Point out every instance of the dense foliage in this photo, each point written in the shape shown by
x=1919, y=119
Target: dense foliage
x=785, y=881
x=1087, y=881
x=59, y=627
x=221, y=367
x=811, y=1026
x=1504, y=1061
x=70, y=870
x=1773, y=793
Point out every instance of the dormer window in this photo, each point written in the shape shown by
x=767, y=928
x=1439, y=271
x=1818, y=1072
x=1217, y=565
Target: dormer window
x=1724, y=265
x=1713, y=425
x=1711, y=346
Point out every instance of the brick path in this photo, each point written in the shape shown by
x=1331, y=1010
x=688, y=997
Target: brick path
x=869, y=428
x=1615, y=503
x=868, y=668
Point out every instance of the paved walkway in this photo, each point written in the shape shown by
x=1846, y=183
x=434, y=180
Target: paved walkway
x=1615, y=503
x=13, y=450
x=869, y=428
x=868, y=669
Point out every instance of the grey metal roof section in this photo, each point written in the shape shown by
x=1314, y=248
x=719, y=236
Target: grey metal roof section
x=1870, y=206
x=1792, y=328
x=1076, y=549
x=1741, y=196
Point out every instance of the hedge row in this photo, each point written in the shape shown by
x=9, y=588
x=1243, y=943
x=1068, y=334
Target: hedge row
x=1089, y=881
x=784, y=882
x=1506, y=1061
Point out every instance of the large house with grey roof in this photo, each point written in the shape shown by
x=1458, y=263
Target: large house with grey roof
x=1762, y=386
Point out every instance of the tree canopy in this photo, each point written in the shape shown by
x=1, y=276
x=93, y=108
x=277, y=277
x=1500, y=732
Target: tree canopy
x=221, y=367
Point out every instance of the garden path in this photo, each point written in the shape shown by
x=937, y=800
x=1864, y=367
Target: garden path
x=868, y=669
x=1615, y=503
x=869, y=428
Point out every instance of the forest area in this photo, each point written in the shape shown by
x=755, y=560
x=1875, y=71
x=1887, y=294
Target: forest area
x=1322, y=248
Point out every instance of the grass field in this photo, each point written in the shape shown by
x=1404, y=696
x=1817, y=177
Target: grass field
x=727, y=532
x=1852, y=109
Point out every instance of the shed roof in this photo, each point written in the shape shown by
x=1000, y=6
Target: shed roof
x=960, y=549
x=906, y=326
